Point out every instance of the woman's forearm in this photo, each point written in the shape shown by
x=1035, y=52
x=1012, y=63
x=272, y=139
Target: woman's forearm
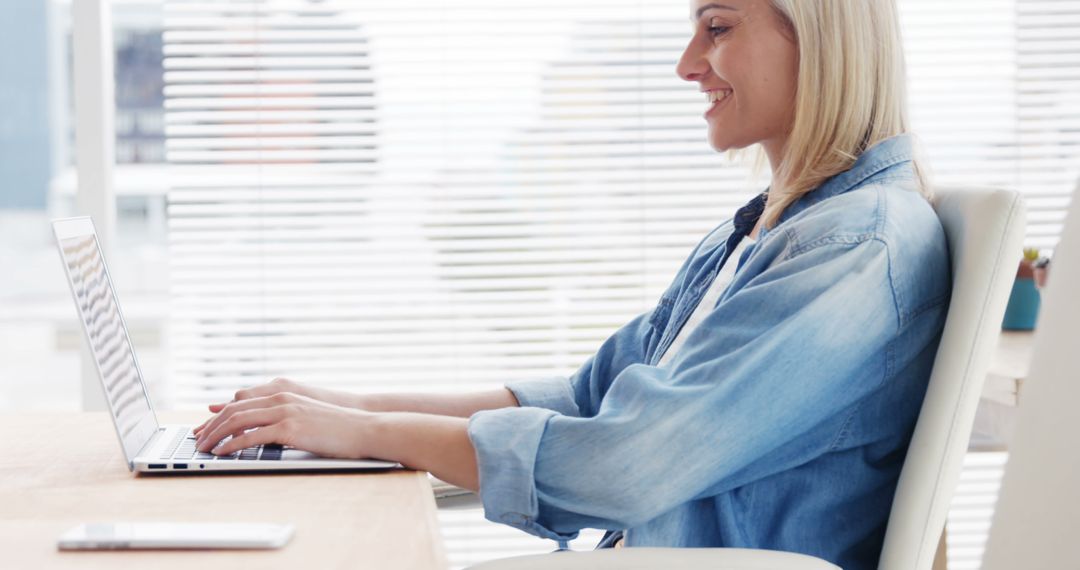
x=438, y=444
x=456, y=405
x=429, y=432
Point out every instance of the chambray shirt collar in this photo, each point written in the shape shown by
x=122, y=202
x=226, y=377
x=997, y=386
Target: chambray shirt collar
x=886, y=154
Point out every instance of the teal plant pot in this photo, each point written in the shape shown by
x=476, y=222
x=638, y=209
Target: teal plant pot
x=1023, y=308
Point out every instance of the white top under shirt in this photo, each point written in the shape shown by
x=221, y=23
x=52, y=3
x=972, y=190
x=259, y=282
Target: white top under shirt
x=708, y=302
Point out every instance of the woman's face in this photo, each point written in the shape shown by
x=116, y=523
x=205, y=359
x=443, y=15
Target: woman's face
x=746, y=61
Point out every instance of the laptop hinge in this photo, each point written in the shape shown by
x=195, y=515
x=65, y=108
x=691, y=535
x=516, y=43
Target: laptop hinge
x=149, y=443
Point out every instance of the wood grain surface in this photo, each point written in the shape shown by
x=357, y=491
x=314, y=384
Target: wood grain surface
x=62, y=469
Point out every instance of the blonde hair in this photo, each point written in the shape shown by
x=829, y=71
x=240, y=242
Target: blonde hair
x=851, y=92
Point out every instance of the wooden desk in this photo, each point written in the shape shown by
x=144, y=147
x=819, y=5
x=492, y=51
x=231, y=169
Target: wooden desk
x=49, y=483
x=1013, y=355
x=996, y=416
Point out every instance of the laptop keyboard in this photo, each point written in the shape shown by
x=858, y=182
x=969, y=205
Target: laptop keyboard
x=182, y=447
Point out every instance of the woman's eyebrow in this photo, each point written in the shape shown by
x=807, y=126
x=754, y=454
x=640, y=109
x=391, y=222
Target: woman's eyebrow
x=711, y=6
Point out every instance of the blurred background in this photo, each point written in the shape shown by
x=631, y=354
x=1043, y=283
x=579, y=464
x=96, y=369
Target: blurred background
x=438, y=196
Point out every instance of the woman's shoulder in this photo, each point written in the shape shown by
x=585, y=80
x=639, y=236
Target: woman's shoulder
x=891, y=211
x=896, y=216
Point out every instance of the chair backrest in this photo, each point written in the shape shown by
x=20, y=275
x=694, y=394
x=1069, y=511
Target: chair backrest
x=985, y=231
x=1036, y=513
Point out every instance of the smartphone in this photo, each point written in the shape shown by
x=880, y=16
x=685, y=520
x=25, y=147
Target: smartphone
x=175, y=535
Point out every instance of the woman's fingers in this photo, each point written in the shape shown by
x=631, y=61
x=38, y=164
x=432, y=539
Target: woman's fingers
x=235, y=407
x=273, y=433
x=220, y=425
x=238, y=423
x=275, y=386
x=215, y=408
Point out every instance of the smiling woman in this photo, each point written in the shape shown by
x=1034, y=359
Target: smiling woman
x=768, y=399
x=816, y=86
x=745, y=57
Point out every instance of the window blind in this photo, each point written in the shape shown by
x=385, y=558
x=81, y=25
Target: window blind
x=1048, y=107
x=434, y=196
x=972, y=508
x=994, y=98
x=448, y=195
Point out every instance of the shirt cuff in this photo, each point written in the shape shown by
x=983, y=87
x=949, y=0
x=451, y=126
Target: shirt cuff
x=549, y=393
x=506, y=442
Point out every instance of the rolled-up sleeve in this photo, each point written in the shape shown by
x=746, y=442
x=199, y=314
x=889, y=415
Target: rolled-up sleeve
x=506, y=444
x=556, y=394
x=761, y=386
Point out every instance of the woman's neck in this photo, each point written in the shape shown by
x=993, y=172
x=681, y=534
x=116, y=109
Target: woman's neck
x=754, y=232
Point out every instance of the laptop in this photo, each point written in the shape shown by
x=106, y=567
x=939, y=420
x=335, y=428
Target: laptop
x=149, y=446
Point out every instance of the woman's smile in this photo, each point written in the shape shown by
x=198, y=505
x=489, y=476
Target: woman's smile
x=716, y=98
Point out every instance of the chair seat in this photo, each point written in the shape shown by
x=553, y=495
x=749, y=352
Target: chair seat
x=667, y=558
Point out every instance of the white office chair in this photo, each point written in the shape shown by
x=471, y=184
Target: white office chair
x=1039, y=504
x=985, y=230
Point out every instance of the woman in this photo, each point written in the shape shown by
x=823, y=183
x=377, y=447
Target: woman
x=769, y=398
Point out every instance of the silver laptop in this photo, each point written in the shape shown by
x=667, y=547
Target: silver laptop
x=149, y=446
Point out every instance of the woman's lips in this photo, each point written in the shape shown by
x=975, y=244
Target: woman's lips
x=719, y=98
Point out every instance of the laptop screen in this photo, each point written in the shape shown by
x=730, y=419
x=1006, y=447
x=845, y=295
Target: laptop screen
x=109, y=343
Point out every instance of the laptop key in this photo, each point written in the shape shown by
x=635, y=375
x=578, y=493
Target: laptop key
x=271, y=453
x=171, y=449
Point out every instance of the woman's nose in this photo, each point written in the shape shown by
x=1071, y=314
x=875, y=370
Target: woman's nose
x=692, y=66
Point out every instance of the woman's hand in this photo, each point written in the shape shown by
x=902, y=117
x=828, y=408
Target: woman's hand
x=281, y=386
x=288, y=419
x=435, y=443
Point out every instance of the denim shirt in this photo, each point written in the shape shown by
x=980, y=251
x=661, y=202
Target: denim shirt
x=783, y=421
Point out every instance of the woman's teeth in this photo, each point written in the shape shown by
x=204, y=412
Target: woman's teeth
x=718, y=95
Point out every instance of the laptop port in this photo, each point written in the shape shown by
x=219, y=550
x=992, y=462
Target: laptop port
x=179, y=465
x=158, y=466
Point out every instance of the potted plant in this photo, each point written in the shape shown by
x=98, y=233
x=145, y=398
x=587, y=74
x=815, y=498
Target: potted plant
x=1023, y=309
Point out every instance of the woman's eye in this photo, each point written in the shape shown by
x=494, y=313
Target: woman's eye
x=717, y=31
x=717, y=27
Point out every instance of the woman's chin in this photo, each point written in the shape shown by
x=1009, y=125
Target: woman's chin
x=722, y=144
x=719, y=147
